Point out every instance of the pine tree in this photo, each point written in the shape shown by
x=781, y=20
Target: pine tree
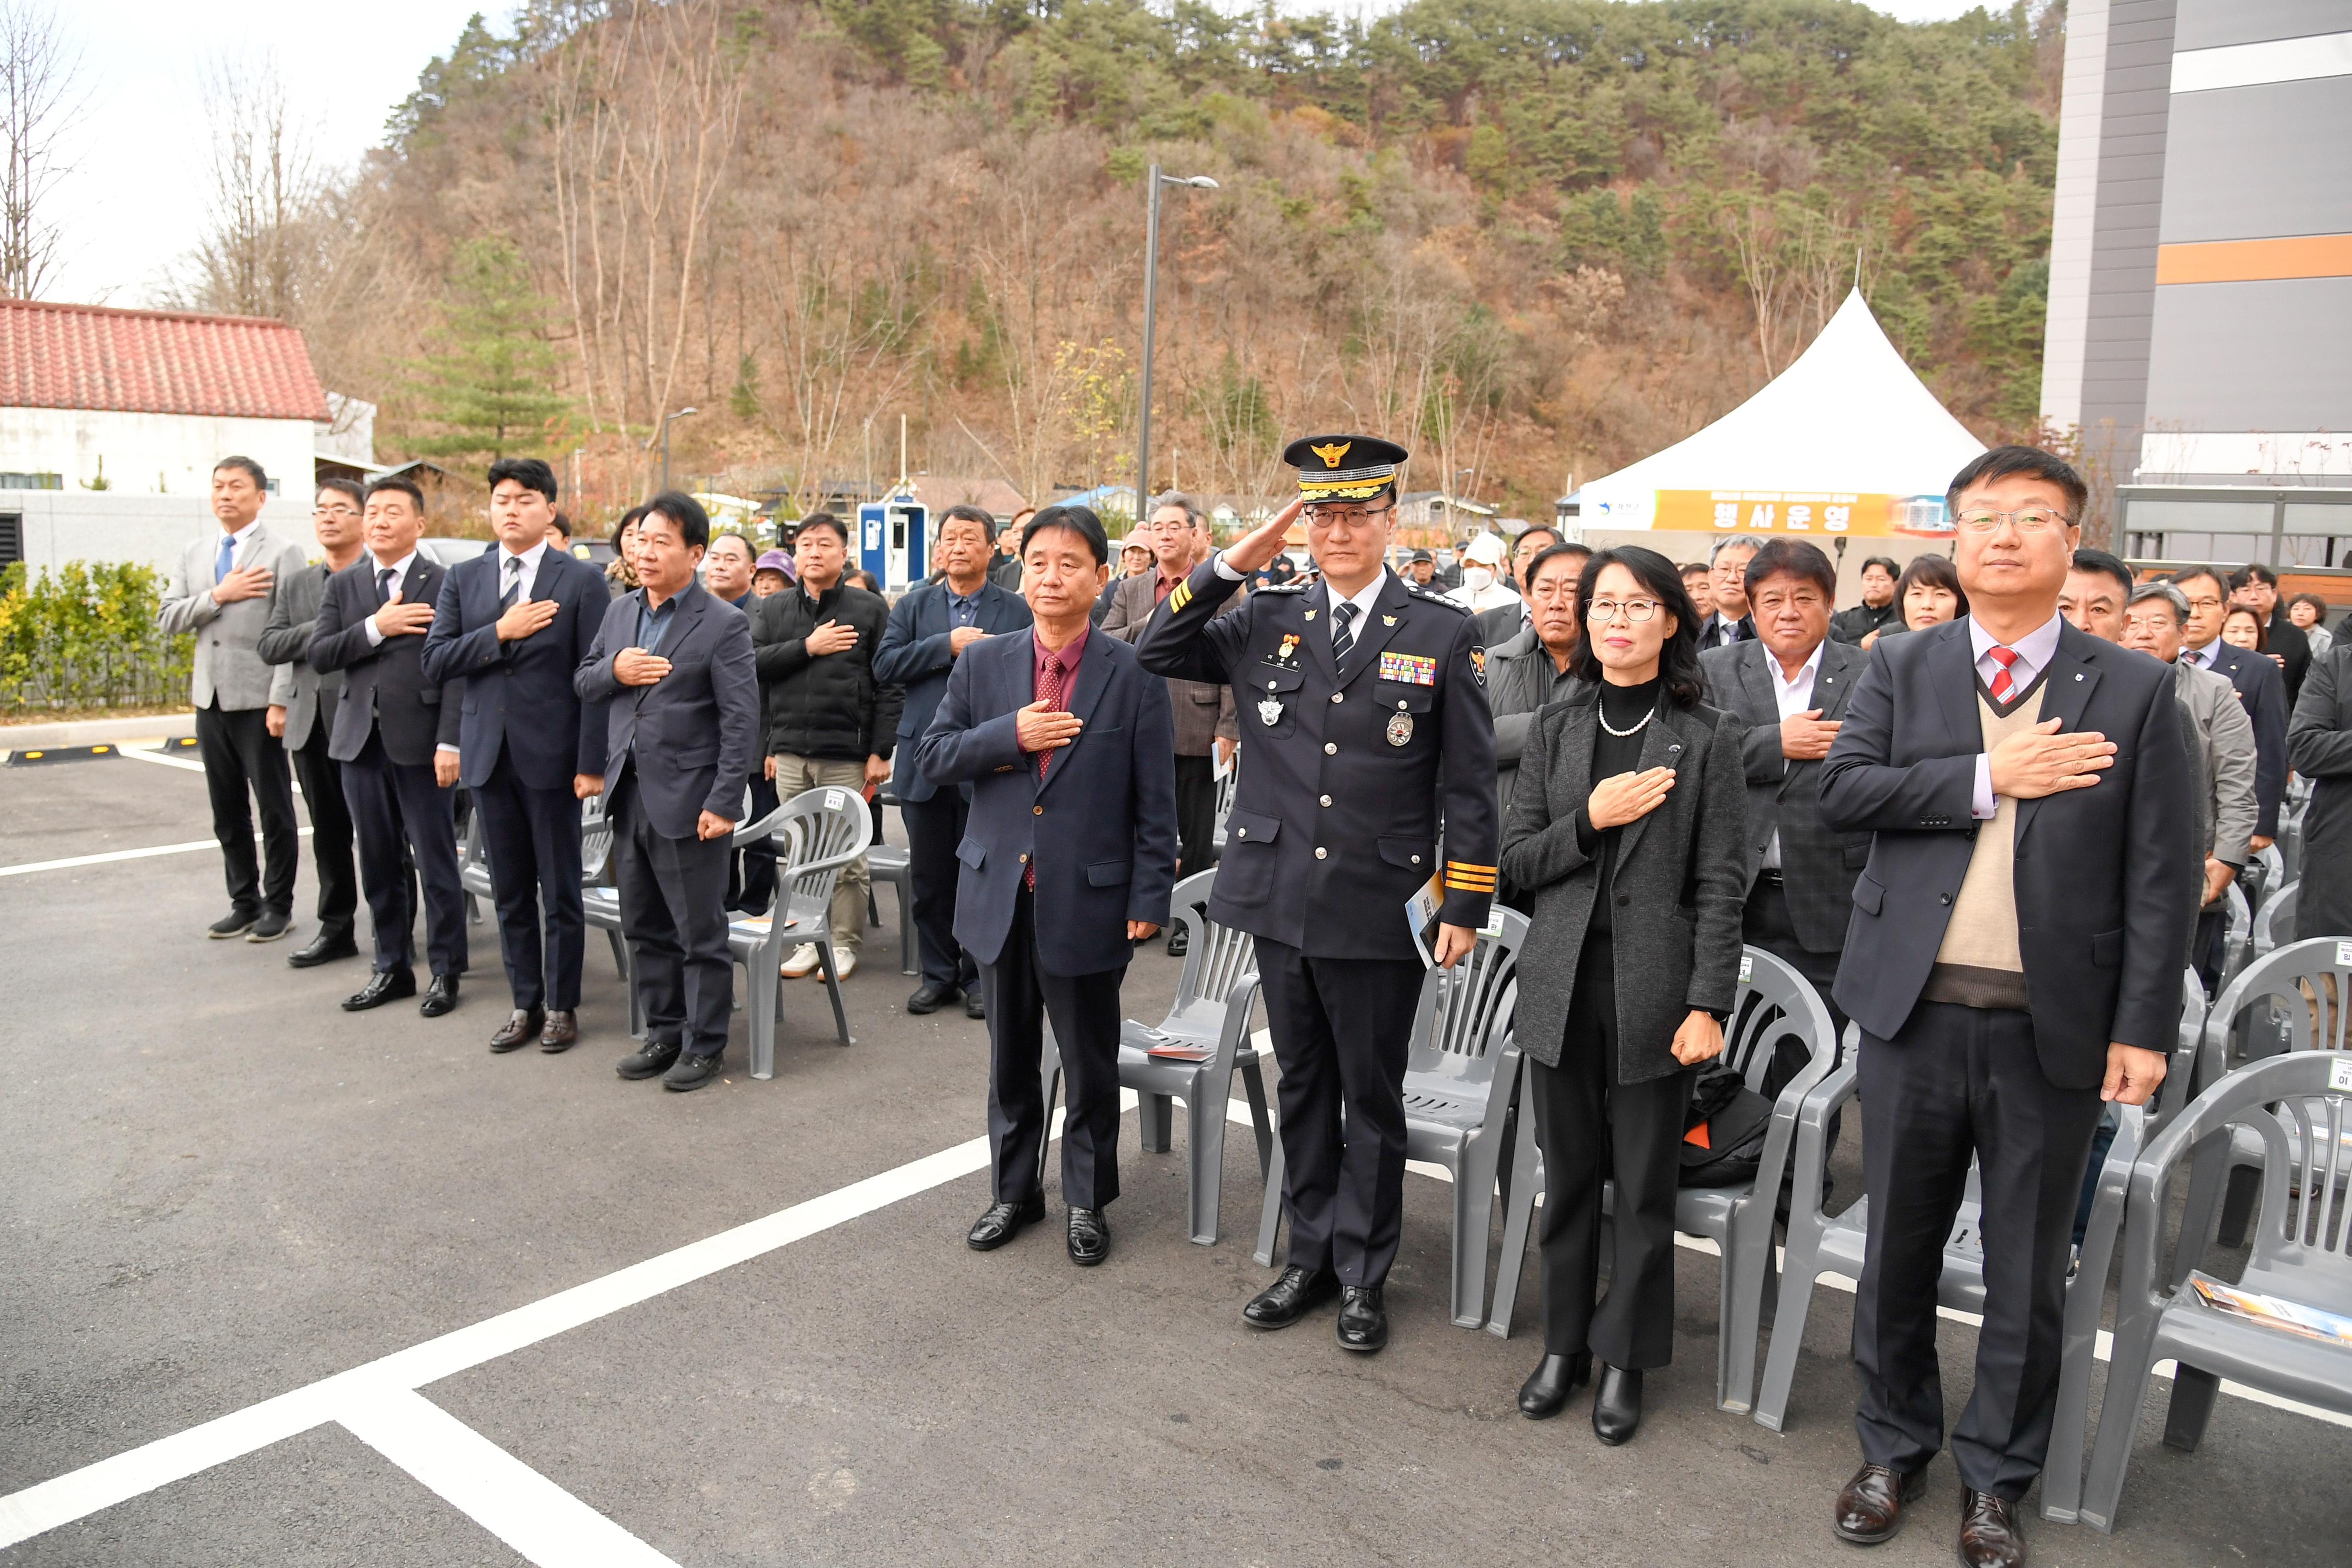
x=489, y=380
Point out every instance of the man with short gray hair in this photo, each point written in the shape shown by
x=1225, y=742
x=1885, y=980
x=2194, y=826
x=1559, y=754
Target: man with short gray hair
x=1727, y=571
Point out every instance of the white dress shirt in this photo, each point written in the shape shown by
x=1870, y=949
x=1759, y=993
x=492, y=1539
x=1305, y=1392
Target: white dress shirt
x=236, y=543
x=2034, y=651
x=1363, y=600
x=521, y=572
x=376, y=569
x=1791, y=696
x=2204, y=658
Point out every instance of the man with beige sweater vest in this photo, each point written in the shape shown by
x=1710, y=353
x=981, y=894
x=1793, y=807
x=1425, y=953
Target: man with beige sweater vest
x=2014, y=962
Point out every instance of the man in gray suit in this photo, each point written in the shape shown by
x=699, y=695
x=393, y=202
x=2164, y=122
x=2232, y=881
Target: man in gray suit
x=302, y=716
x=1179, y=540
x=1788, y=684
x=220, y=592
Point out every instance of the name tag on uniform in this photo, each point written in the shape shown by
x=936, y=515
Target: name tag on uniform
x=1413, y=668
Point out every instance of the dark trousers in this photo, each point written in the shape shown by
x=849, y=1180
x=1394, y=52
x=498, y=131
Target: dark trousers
x=2205, y=944
x=1342, y=1029
x=934, y=829
x=674, y=914
x=532, y=839
x=752, y=872
x=1196, y=814
x=398, y=812
x=331, y=832
x=1594, y=1129
x=1955, y=1082
x=1765, y=923
x=1085, y=1011
x=239, y=753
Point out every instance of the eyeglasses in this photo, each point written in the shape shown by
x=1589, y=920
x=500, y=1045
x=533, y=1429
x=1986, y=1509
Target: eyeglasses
x=2031, y=520
x=1635, y=611
x=1353, y=516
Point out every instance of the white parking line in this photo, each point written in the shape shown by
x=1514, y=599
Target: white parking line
x=70, y=862
x=140, y=755
x=498, y=1491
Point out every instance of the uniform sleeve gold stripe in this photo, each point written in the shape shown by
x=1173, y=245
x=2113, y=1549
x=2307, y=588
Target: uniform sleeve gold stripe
x=1466, y=865
x=1471, y=884
x=1181, y=596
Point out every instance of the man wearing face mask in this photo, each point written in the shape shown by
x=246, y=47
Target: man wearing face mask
x=1483, y=587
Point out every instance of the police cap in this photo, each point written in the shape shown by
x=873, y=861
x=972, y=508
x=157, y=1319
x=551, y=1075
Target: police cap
x=1343, y=468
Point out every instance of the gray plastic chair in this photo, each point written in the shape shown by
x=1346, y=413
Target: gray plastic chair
x=2237, y=932
x=1215, y=1000
x=2298, y=998
x=1776, y=1003
x=889, y=863
x=2274, y=921
x=815, y=834
x=2062, y=1471
x=1820, y=1243
x=1458, y=1084
x=1228, y=776
x=474, y=869
x=2295, y=1106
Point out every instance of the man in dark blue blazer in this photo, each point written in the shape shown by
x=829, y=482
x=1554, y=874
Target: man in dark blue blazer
x=2259, y=686
x=513, y=624
x=928, y=629
x=672, y=665
x=1065, y=741
x=396, y=740
x=2014, y=960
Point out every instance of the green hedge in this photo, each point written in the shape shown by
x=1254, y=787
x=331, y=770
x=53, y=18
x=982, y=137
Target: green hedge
x=86, y=638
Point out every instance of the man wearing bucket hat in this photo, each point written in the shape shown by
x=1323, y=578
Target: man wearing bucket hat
x=1350, y=692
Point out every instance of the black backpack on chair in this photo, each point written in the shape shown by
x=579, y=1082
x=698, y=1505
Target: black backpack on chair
x=1723, y=1136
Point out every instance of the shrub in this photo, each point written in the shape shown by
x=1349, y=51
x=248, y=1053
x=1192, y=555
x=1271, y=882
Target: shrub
x=86, y=638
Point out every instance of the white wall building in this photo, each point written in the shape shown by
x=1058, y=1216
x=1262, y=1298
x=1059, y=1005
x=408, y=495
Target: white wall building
x=115, y=405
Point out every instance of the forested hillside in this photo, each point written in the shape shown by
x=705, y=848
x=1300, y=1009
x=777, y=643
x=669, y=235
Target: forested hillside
x=1527, y=238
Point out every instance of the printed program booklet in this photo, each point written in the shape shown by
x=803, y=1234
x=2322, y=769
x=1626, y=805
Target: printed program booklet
x=2274, y=1312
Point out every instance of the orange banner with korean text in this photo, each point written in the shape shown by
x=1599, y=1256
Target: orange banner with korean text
x=1800, y=512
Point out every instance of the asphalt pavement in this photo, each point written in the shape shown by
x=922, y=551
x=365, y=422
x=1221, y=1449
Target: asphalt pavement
x=221, y=1188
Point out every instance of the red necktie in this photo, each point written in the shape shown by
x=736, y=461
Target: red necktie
x=1049, y=692
x=2002, y=684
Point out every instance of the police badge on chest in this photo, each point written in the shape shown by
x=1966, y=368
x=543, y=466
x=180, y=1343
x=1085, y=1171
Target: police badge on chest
x=1400, y=727
x=1269, y=711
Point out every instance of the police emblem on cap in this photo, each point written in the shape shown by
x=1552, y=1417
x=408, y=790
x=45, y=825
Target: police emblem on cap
x=1331, y=452
x=1369, y=467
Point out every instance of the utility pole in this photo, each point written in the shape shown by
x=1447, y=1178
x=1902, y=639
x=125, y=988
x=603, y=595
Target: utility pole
x=1150, y=302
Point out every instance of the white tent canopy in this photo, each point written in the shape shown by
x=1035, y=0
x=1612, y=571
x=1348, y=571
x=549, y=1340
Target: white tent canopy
x=1844, y=440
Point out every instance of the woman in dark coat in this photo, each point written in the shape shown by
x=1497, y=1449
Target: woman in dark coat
x=1624, y=832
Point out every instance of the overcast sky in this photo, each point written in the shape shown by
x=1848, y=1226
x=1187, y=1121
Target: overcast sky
x=135, y=200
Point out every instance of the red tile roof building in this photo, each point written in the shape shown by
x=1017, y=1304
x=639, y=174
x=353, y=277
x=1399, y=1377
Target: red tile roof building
x=155, y=361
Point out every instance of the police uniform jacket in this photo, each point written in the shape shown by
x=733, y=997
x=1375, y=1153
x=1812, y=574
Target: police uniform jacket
x=1336, y=818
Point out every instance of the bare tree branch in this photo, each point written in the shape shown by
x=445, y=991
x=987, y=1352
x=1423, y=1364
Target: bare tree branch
x=41, y=100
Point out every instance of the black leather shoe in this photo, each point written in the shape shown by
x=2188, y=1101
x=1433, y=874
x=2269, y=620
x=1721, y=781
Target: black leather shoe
x=1554, y=1379
x=1869, y=1509
x=324, y=948
x=440, y=997
x=1990, y=1536
x=1363, y=1323
x=384, y=985
x=691, y=1072
x=561, y=1030
x=1089, y=1238
x=237, y=923
x=648, y=1060
x=975, y=1006
x=931, y=998
x=1180, y=937
x=516, y=1033
x=1295, y=1292
x=1617, y=1404
x=270, y=927
x=1001, y=1222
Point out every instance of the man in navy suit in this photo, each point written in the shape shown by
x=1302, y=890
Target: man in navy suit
x=397, y=740
x=929, y=629
x=513, y=624
x=1064, y=739
x=672, y=665
x=2259, y=686
x=2014, y=960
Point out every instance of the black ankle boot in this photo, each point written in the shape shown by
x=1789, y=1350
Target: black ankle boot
x=1554, y=1379
x=1617, y=1404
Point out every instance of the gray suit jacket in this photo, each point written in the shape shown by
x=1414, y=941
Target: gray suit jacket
x=1520, y=679
x=229, y=666
x=1817, y=867
x=2222, y=746
x=1676, y=925
x=1204, y=710
x=307, y=697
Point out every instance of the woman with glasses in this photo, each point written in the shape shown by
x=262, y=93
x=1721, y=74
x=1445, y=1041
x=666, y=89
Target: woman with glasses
x=1625, y=835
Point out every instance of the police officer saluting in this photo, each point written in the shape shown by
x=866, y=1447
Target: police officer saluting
x=1350, y=693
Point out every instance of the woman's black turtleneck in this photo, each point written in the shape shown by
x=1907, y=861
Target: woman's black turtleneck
x=1622, y=707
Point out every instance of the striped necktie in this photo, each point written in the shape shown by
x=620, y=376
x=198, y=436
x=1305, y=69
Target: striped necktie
x=1344, y=641
x=2002, y=684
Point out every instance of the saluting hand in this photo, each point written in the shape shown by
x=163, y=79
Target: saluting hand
x=1626, y=798
x=1263, y=543
x=1041, y=728
x=2041, y=761
x=635, y=666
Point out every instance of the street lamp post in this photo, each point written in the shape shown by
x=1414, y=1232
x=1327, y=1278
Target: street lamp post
x=666, y=421
x=1151, y=300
